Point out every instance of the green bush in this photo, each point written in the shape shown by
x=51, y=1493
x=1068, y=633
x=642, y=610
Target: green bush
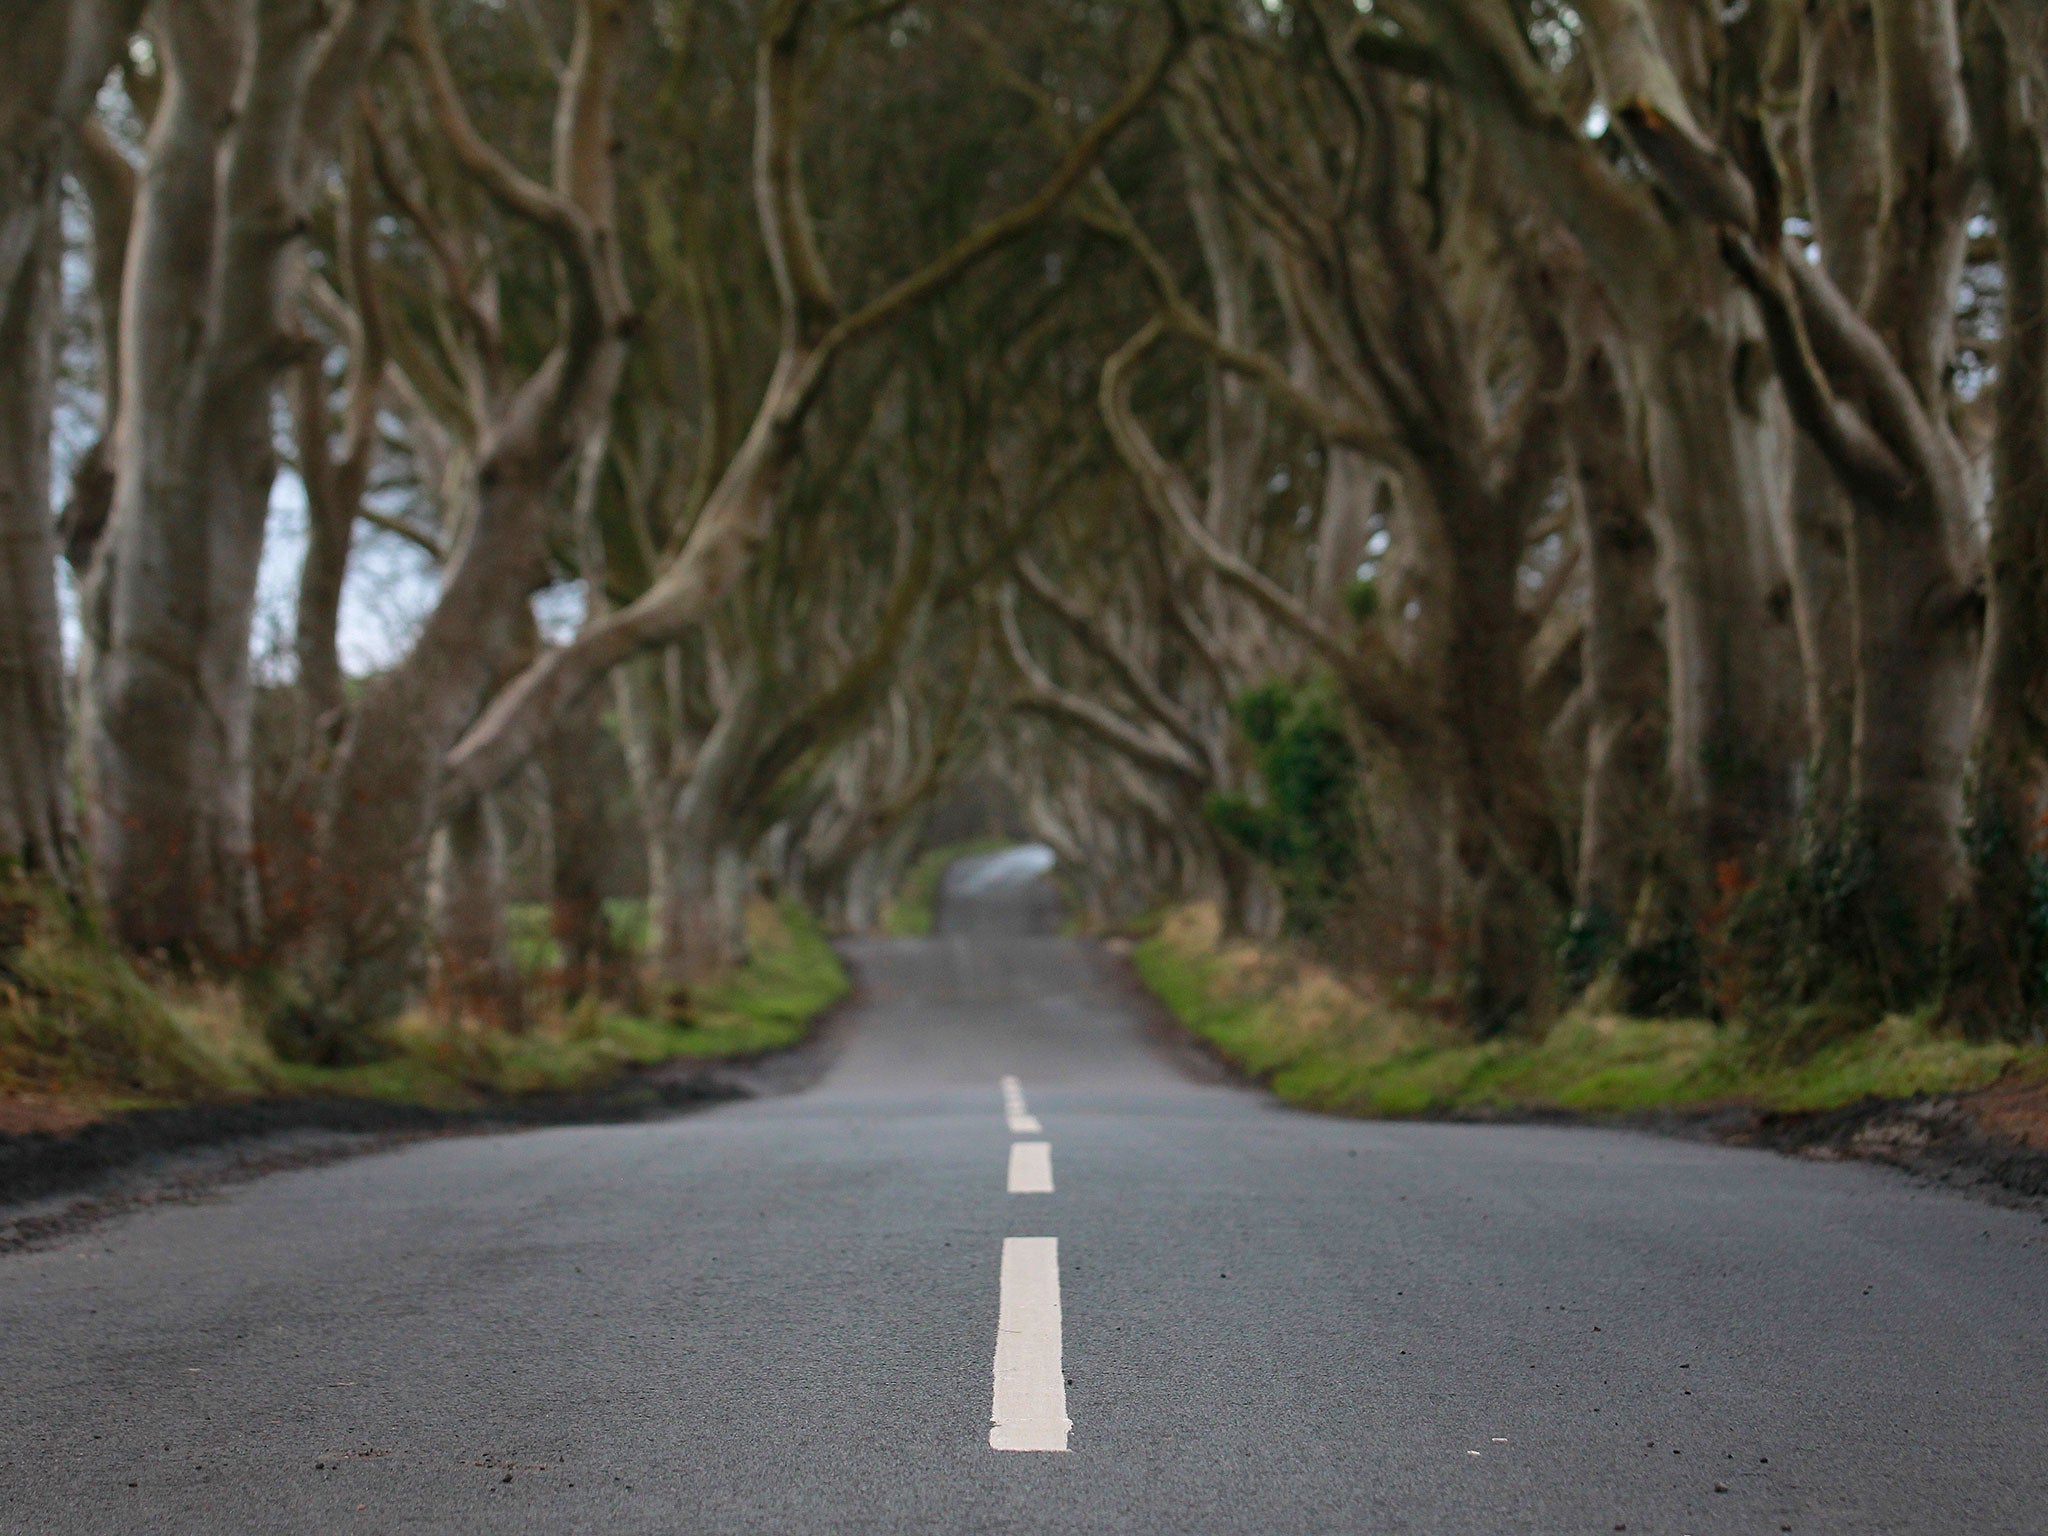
x=1307, y=826
x=1817, y=946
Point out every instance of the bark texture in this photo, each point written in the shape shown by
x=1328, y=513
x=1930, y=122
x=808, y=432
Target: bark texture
x=206, y=332
x=385, y=794
x=1627, y=820
x=53, y=55
x=473, y=980
x=1999, y=980
x=582, y=837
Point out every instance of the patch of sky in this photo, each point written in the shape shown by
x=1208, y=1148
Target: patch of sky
x=1010, y=867
x=1554, y=29
x=391, y=587
x=559, y=611
x=1542, y=561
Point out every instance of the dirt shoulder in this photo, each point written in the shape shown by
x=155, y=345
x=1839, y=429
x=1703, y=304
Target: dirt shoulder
x=1992, y=1144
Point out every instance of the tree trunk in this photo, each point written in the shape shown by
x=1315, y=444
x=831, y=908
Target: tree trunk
x=474, y=979
x=204, y=334
x=168, y=719
x=37, y=833
x=692, y=934
x=1627, y=790
x=592, y=963
x=1731, y=769
x=1506, y=839
x=53, y=56
x=1816, y=543
x=694, y=931
x=1841, y=169
x=1914, y=676
x=382, y=800
x=1914, y=629
x=1999, y=980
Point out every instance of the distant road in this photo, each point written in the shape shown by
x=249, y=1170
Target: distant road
x=782, y=1316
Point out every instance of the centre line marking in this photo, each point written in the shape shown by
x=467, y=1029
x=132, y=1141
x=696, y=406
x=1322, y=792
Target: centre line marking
x=1030, y=1411
x=1022, y=1121
x=1030, y=1167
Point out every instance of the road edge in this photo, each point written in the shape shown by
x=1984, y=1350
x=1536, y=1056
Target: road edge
x=38, y=1166
x=1932, y=1138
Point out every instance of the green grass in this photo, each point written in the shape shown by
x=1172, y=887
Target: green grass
x=771, y=1001
x=78, y=1020
x=1361, y=1060
x=767, y=1004
x=534, y=949
x=80, y=1027
x=915, y=907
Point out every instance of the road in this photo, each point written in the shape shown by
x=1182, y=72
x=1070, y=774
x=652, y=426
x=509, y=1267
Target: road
x=781, y=1316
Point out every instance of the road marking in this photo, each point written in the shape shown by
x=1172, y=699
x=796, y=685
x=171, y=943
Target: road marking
x=1030, y=1411
x=1022, y=1121
x=1030, y=1167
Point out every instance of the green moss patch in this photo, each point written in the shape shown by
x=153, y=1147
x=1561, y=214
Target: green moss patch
x=1323, y=1045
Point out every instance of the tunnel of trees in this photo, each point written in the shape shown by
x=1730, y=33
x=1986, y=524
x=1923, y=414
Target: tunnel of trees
x=1532, y=500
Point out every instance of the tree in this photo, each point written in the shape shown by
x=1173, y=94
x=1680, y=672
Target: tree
x=252, y=98
x=52, y=60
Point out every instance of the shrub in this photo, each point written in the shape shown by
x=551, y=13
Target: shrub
x=1307, y=826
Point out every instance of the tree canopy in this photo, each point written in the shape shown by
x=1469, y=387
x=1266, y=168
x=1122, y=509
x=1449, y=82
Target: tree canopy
x=1526, y=497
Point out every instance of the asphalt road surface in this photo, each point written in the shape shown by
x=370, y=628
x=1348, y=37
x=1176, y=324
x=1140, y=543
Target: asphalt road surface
x=782, y=1315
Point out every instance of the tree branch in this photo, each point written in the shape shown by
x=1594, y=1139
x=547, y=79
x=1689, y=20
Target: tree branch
x=1046, y=697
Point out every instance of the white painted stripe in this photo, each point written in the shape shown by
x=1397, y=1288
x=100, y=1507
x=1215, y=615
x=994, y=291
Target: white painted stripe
x=1030, y=1167
x=1030, y=1412
x=1022, y=1121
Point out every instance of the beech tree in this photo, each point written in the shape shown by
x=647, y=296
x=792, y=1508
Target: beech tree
x=1532, y=500
x=52, y=59
x=251, y=100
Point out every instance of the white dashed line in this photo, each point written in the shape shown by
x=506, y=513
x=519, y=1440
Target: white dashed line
x=1030, y=1412
x=1030, y=1167
x=1022, y=1121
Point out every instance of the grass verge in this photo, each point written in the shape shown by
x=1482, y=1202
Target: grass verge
x=82, y=1032
x=84, y=1036
x=1322, y=1044
x=791, y=977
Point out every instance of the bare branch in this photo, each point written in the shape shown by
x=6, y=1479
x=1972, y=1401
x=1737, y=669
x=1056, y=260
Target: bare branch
x=1041, y=694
